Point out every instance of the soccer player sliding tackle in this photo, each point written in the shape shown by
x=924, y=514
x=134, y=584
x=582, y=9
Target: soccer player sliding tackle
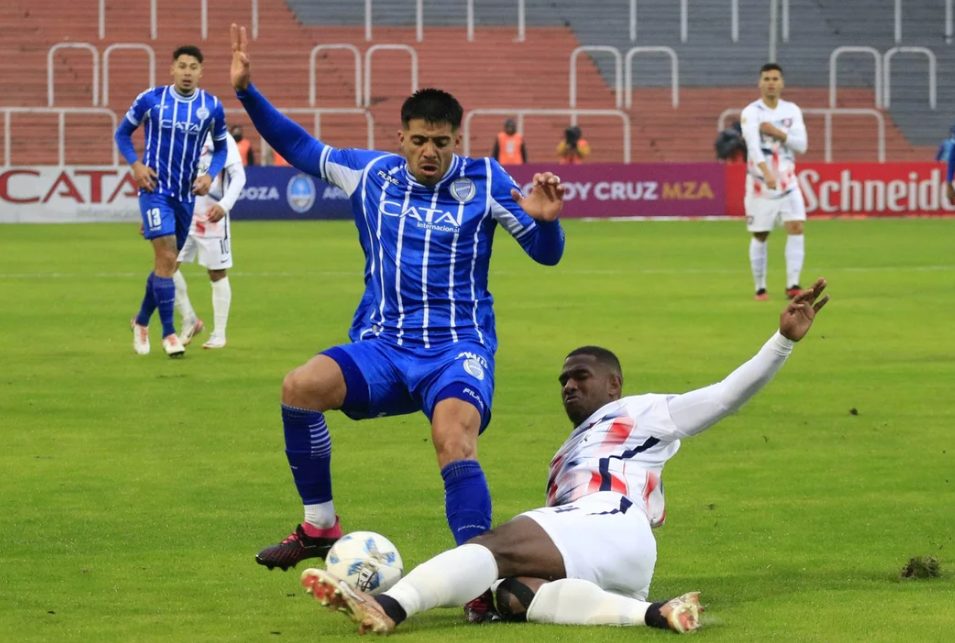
x=587, y=557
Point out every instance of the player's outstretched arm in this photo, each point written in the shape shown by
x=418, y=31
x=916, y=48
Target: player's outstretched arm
x=285, y=136
x=545, y=199
x=693, y=412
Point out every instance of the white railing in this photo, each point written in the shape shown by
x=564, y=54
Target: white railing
x=61, y=113
x=419, y=20
x=573, y=113
x=887, y=69
x=49, y=68
x=674, y=72
x=898, y=21
x=317, y=113
x=521, y=30
x=877, y=59
x=617, y=78
x=827, y=113
x=204, y=19
x=684, y=20
x=368, y=55
x=948, y=22
x=312, y=64
x=150, y=54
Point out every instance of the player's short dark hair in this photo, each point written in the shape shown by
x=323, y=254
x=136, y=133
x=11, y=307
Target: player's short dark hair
x=434, y=106
x=771, y=67
x=602, y=355
x=188, y=50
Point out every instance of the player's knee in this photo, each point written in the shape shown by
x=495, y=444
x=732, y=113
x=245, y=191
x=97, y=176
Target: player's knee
x=300, y=390
x=514, y=595
x=313, y=386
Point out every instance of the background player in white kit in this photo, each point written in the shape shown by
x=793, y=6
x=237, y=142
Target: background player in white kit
x=209, y=242
x=774, y=132
x=586, y=558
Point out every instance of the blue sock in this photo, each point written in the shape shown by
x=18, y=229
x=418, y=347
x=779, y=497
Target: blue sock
x=164, y=292
x=149, y=303
x=467, y=500
x=308, y=447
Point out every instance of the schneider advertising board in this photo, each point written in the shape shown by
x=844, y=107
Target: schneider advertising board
x=47, y=194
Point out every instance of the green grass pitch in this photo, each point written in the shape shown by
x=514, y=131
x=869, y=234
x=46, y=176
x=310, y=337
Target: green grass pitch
x=136, y=490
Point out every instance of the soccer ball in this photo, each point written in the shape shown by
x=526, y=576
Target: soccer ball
x=366, y=561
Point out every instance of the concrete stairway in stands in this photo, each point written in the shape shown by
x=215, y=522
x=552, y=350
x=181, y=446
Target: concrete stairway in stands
x=493, y=71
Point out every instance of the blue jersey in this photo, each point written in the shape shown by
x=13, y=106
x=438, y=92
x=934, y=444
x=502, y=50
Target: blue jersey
x=175, y=129
x=427, y=248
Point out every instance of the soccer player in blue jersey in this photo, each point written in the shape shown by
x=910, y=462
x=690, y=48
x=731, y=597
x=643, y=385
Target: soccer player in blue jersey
x=423, y=337
x=177, y=119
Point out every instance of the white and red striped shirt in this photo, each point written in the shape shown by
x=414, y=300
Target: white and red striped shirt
x=779, y=157
x=624, y=444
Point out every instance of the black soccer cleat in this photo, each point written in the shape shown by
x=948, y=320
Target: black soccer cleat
x=297, y=547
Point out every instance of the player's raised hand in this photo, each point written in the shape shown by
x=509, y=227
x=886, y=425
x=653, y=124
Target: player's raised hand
x=144, y=176
x=200, y=187
x=241, y=72
x=796, y=319
x=545, y=199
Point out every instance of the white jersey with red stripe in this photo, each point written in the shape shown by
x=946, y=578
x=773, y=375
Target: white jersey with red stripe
x=779, y=157
x=624, y=444
x=224, y=191
x=622, y=447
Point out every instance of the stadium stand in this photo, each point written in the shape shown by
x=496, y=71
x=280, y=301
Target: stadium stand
x=492, y=71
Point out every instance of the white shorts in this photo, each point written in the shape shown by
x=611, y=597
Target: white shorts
x=764, y=213
x=212, y=252
x=602, y=543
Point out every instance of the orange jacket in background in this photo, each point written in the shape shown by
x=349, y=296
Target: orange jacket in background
x=509, y=148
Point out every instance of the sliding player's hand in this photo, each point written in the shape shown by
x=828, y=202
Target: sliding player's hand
x=200, y=187
x=545, y=199
x=796, y=319
x=241, y=72
x=950, y=192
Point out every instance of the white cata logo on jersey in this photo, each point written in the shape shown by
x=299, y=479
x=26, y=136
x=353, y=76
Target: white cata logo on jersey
x=202, y=113
x=463, y=190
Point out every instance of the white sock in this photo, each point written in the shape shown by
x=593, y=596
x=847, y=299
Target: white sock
x=758, y=254
x=221, y=302
x=795, y=253
x=449, y=579
x=183, y=304
x=572, y=601
x=321, y=515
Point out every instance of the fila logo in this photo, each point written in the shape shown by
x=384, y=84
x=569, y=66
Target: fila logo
x=387, y=177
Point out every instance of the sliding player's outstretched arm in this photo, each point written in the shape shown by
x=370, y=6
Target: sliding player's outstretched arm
x=695, y=411
x=285, y=136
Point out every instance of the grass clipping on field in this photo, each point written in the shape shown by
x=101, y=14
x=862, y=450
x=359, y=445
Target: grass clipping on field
x=921, y=567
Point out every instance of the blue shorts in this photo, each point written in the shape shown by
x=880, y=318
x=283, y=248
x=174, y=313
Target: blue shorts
x=385, y=379
x=165, y=215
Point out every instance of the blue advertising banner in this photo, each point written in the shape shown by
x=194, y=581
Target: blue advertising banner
x=285, y=193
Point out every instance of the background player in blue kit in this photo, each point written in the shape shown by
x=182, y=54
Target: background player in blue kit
x=177, y=119
x=423, y=337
